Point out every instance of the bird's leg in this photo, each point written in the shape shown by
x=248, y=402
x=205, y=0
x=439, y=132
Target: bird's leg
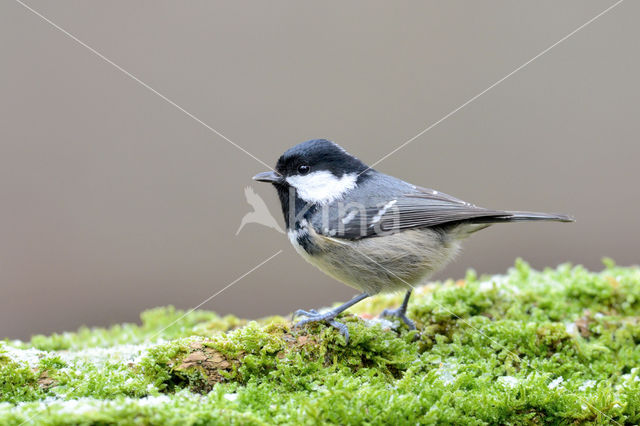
x=329, y=316
x=401, y=312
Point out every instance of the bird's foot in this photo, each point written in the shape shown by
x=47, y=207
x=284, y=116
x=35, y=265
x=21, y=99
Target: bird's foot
x=399, y=313
x=328, y=317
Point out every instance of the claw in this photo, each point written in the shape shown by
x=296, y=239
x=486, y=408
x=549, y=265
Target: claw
x=399, y=313
x=328, y=317
x=342, y=329
x=299, y=312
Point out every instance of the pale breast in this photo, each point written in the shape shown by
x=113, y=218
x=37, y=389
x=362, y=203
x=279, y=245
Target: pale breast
x=379, y=264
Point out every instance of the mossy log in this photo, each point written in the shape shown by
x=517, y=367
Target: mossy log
x=557, y=346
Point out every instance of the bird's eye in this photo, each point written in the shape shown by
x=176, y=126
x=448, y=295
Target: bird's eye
x=303, y=169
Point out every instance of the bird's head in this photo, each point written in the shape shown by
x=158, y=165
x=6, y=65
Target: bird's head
x=319, y=170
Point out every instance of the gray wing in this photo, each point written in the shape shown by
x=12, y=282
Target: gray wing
x=390, y=211
x=407, y=212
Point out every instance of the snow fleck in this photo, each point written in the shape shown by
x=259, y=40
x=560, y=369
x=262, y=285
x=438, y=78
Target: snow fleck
x=447, y=373
x=122, y=353
x=97, y=356
x=31, y=356
x=231, y=396
x=152, y=401
x=571, y=328
x=588, y=384
x=383, y=322
x=557, y=382
x=486, y=286
x=509, y=381
x=76, y=406
x=496, y=282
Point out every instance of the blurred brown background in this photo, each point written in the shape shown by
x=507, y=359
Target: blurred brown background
x=113, y=201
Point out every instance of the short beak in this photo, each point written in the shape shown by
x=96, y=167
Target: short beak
x=270, y=176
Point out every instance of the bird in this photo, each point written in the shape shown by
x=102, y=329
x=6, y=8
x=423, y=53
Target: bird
x=260, y=213
x=369, y=230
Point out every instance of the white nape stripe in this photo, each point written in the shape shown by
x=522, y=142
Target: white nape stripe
x=322, y=186
x=382, y=211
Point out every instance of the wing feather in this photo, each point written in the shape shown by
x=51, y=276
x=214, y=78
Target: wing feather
x=419, y=209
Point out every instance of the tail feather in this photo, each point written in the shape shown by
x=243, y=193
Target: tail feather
x=516, y=216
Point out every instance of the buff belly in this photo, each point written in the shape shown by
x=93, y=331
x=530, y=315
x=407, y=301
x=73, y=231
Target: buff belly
x=381, y=264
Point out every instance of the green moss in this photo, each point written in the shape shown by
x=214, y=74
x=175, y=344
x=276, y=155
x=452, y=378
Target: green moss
x=160, y=323
x=557, y=346
x=18, y=382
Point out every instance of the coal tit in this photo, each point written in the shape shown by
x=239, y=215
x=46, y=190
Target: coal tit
x=369, y=230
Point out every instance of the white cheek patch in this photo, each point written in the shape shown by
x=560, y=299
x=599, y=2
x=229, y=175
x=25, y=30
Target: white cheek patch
x=322, y=186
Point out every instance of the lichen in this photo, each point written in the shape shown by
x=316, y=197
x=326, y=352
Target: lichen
x=556, y=346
